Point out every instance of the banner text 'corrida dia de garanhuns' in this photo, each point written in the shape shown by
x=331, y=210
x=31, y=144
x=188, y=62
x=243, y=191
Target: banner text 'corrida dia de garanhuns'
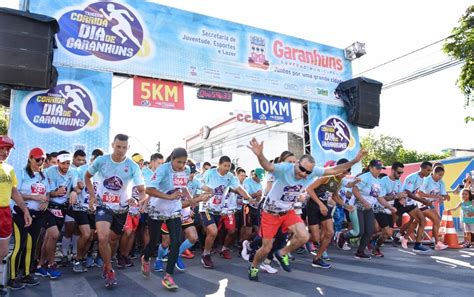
x=73, y=115
x=151, y=40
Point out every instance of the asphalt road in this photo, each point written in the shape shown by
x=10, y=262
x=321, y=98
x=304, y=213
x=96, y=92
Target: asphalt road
x=399, y=273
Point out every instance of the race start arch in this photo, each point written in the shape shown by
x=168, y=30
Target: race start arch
x=148, y=40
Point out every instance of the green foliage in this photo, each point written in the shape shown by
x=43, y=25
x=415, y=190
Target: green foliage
x=389, y=149
x=460, y=45
x=3, y=120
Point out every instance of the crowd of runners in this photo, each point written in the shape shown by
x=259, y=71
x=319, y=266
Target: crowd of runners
x=107, y=210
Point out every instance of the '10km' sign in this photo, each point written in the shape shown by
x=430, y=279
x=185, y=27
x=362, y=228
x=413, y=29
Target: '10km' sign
x=271, y=108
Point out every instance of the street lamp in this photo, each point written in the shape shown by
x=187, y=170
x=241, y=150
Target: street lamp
x=354, y=51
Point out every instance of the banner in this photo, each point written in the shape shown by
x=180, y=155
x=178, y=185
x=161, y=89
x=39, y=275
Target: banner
x=332, y=137
x=157, y=93
x=271, y=108
x=147, y=39
x=73, y=115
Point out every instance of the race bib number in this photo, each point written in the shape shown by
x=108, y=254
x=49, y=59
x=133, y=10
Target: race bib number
x=111, y=198
x=180, y=180
x=38, y=189
x=57, y=213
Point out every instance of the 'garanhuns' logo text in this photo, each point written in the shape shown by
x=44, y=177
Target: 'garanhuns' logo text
x=107, y=30
x=334, y=135
x=67, y=107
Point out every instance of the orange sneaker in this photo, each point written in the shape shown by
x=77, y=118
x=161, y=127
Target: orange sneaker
x=187, y=254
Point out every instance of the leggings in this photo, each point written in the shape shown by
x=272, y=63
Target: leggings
x=366, y=225
x=354, y=232
x=26, y=238
x=174, y=228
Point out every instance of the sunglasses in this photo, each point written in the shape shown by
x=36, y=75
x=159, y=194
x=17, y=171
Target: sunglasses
x=304, y=169
x=39, y=160
x=399, y=172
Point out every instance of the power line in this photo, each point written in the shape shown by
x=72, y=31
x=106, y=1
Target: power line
x=403, y=56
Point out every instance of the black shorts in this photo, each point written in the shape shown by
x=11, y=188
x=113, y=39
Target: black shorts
x=315, y=217
x=54, y=220
x=250, y=216
x=403, y=209
x=83, y=218
x=239, y=219
x=209, y=218
x=116, y=220
x=384, y=220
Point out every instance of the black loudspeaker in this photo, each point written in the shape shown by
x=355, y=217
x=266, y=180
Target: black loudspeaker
x=26, y=50
x=361, y=97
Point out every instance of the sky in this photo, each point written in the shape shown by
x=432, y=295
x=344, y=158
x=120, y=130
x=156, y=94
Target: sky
x=427, y=114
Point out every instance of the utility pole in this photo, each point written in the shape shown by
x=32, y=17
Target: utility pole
x=158, y=146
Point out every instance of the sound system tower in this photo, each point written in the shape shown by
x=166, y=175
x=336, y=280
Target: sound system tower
x=26, y=50
x=361, y=97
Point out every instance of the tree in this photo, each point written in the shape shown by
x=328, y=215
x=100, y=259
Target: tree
x=389, y=149
x=460, y=45
x=3, y=120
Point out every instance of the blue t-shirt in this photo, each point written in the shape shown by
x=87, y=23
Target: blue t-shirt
x=369, y=188
x=56, y=180
x=193, y=186
x=252, y=187
x=467, y=208
x=287, y=188
x=36, y=185
x=83, y=197
x=147, y=174
x=390, y=187
x=432, y=187
x=114, y=180
x=221, y=185
x=167, y=181
x=412, y=184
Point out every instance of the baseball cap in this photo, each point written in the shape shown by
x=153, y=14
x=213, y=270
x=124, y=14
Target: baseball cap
x=37, y=153
x=260, y=173
x=6, y=141
x=377, y=164
x=137, y=158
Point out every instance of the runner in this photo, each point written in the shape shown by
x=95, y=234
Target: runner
x=411, y=185
x=319, y=216
x=253, y=186
x=367, y=193
x=115, y=172
x=51, y=160
x=218, y=181
x=290, y=181
x=85, y=220
x=63, y=184
x=433, y=190
x=33, y=189
x=166, y=189
x=391, y=191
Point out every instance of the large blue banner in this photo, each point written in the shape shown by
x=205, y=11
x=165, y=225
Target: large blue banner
x=332, y=137
x=73, y=115
x=152, y=40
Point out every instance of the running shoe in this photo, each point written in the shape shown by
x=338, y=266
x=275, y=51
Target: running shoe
x=346, y=247
x=253, y=273
x=268, y=268
x=158, y=265
x=168, y=283
x=121, y=262
x=110, y=279
x=89, y=262
x=362, y=255
x=301, y=250
x=325, y=256
x=79, y=267
x=53, y=272
x=284, y=261
x=419, y=248
x=404, y=242
x=180, y=264
x=145, y=267
x=226, y=254
x=15, y=284
x=440, y=246
x=42, y=271
x=98, y=262
x=245, y=250
x=371, y=245
x=207, y=261
x=3, y=291
x=187, y=254
x=30, y=280
x=377, y=253
x=320, y=263
x=128, y=262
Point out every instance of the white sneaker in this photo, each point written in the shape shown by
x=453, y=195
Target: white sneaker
x=245, y=250
x=404, y=242
x=440, y=246
x=346, y=247
x=267, y=268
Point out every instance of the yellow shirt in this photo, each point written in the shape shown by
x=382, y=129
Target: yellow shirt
x=7, y=182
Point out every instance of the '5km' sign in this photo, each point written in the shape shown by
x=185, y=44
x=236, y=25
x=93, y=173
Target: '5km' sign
x=271, y=108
